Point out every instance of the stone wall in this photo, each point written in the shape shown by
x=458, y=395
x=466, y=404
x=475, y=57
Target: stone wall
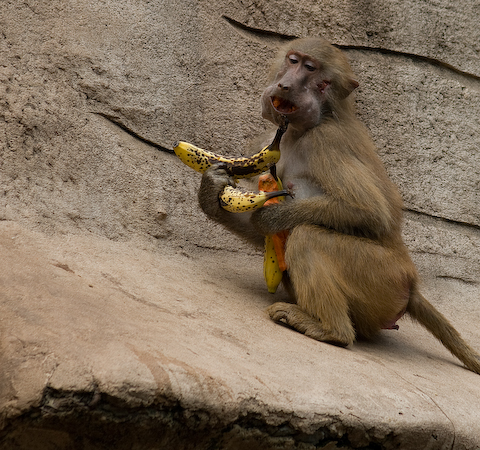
x=87, y=87
x=194, y=71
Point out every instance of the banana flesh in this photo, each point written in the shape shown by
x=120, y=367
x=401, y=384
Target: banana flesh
x=200, y=159
x=236, y=199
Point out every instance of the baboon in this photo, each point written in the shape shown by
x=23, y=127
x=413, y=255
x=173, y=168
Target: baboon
x=349, y=271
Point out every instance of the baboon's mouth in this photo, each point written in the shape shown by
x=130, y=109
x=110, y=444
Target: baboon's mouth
x=283, y=105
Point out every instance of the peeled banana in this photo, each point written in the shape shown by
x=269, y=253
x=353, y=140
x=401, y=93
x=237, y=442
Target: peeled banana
x=236, y=199
x=201, y=160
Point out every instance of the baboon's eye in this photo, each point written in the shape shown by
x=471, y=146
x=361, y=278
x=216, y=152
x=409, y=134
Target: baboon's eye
x=293, y=59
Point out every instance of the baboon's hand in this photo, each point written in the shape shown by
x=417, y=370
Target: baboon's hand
x=213, y=182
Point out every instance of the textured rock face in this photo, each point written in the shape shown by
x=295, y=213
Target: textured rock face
x=106, y=345
x=130, y=321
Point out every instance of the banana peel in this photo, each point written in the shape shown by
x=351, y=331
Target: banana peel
x=274, y=263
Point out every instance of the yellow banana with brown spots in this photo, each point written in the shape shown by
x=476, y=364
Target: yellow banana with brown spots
x=271, y=270
x=236, y=199
x=244, y=167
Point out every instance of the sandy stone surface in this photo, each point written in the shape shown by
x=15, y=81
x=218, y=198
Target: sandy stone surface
x=130, y=321
x=109, y=343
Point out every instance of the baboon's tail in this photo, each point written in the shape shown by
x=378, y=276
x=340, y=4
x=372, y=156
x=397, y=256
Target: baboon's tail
x=434, y=321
